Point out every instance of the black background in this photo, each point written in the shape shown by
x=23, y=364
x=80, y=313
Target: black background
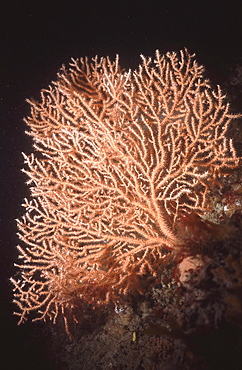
x=36, y=38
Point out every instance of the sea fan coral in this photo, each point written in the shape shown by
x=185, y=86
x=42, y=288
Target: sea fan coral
x=118, y=157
